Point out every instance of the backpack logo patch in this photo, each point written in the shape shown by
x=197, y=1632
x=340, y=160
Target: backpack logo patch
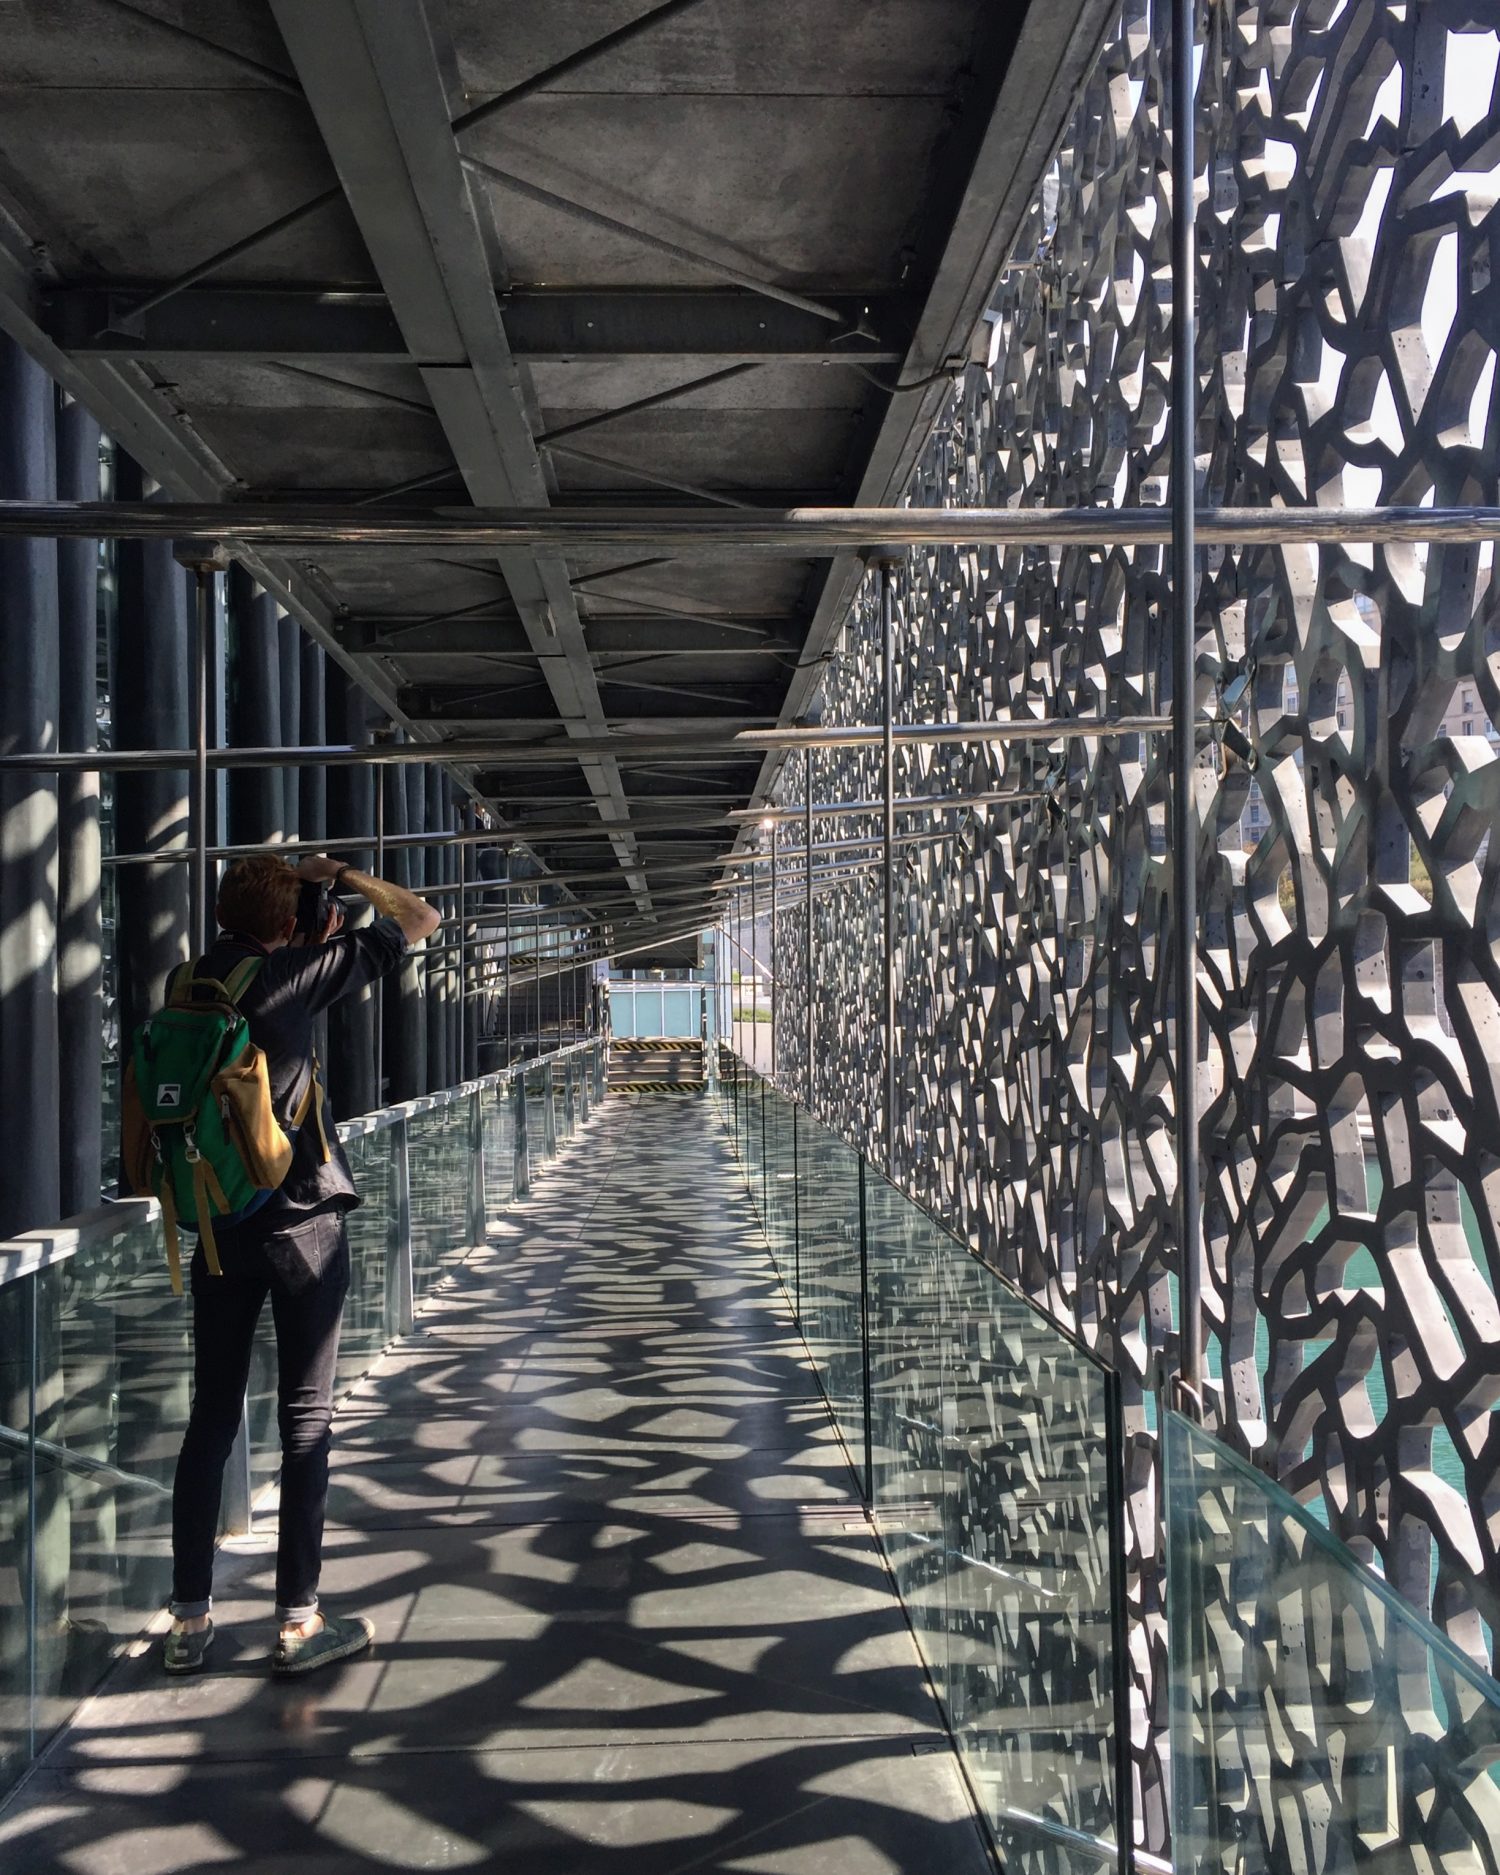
x=169, y=1093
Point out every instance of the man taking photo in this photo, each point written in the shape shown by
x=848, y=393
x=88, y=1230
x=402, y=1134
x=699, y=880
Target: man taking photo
x=293, y=1246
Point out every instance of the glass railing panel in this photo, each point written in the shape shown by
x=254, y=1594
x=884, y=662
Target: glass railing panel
x=905, y=1253
x=1033, y=1618
x=830, y=1300
x=17, y=1299
x=373, y=1228
x=539, y=1128
x=499, y=1110
x=1315, y=1719
x=779, y=1179
x=438, y=1149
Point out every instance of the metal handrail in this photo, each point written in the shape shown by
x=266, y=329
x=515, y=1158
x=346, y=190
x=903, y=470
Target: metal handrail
x=51, y=1244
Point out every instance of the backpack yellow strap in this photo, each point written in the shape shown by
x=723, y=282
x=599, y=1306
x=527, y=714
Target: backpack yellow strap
x=313, y=1099
x=201, y=1174
x=241, y=977
x=318, y=1111
x=169, y=1234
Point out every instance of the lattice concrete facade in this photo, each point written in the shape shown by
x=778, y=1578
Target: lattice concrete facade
x=1350, y=981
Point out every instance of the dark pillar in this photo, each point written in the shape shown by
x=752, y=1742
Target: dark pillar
x=257, y=800
x=439, y=1068
x=351, y=812
x=289, y=652
x=80, y=938
x=150, y=686
x=405, y=1048
x=313, y=793
x=29, y=1191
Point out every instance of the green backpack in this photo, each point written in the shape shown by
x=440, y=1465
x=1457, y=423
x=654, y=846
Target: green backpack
x=199, y=1130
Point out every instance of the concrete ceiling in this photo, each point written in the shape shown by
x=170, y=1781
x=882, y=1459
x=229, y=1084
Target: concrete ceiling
x=560, y=252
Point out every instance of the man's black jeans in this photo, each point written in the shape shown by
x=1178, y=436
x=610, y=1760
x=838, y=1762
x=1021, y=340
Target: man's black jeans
x=305, y=1271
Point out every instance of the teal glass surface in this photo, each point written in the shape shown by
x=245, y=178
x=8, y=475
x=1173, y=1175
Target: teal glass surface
x=1316, y=1719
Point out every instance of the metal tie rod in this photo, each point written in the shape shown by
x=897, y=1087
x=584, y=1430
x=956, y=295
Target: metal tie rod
x=531, y=754
x=675, y=532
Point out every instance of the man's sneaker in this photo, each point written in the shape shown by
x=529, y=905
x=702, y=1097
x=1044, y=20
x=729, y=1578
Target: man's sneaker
x=184, y=1653
x=338, y=1638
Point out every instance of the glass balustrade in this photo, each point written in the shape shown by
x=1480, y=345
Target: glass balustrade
x=1317, y=1722
x=986, y=1441
x=96, y=1382
x=1316, y=1719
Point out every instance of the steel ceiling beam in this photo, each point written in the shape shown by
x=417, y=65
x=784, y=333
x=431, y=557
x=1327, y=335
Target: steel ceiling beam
x=625, y=634
x=544, y=326
x=373, y=72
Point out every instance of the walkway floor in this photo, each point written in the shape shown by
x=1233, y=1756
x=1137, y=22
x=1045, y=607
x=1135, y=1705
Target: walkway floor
x=629, y=1616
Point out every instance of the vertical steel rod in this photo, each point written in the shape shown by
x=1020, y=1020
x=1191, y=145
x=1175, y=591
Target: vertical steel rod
x=775, y=981
x=888, y=848
x=807, y=957
x=203, y=626
x=462, y=1071
x=379, y=981
x=754, y=981
x=508, y=896
x=536, y=973
x=1184, y=678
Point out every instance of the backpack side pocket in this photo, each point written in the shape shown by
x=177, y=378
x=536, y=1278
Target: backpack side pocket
x=243, y=1091
x=138, y=1160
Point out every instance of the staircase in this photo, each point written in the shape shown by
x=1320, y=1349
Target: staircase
x=655, y=1065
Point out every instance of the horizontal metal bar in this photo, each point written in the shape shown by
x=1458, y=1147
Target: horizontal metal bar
x=691, y=745
x=796, y=531
x=904, y=804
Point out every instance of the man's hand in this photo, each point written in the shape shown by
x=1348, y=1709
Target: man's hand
x=317, y=867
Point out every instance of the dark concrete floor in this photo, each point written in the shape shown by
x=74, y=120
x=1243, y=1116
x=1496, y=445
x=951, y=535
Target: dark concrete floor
x=628, y=1613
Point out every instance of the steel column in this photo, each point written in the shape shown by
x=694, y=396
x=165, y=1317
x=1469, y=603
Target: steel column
x=80, y=934
x=1184, y=683
x=200, y=936
x=775, y=979
x=807, y=959
x=256, y=796
x=151, y=713
x=754, y=981
x=29, y=697
x=351, y=797
x=888, y=854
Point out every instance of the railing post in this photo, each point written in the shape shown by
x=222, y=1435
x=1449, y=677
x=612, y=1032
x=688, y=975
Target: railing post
x=523, y=1145
x=549, y=1123
x=478, y=1211
x=399, y=1290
